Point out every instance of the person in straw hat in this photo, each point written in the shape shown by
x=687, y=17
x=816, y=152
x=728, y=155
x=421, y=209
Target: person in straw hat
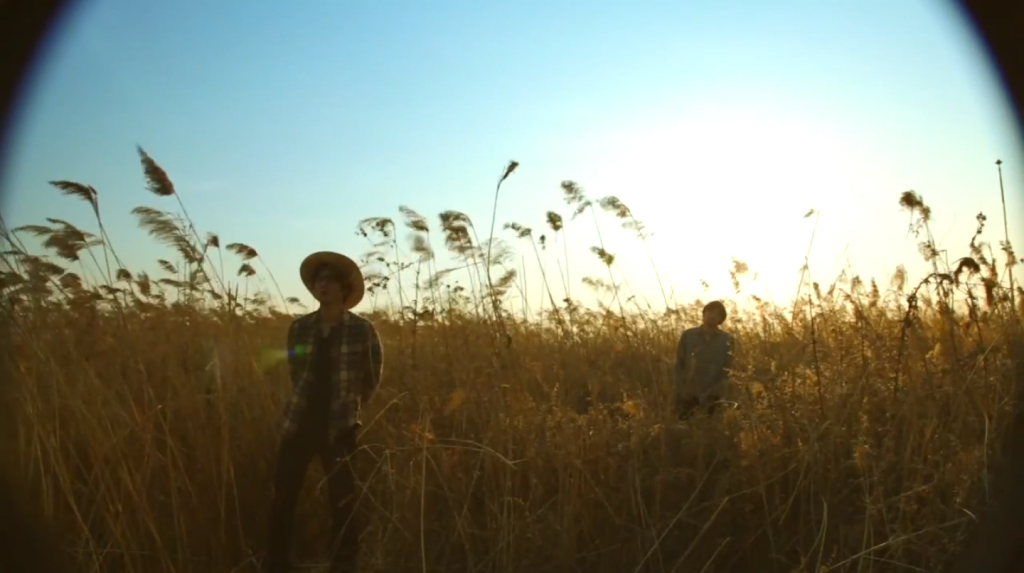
x=335, y=361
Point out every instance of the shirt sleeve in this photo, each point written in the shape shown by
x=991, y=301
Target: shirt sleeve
x=294, y=361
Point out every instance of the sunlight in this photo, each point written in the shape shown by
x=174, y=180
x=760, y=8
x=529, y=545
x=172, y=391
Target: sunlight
x=734, y=182
x=508, y=356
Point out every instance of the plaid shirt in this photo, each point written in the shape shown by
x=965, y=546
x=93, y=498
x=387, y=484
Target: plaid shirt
x=359, y=359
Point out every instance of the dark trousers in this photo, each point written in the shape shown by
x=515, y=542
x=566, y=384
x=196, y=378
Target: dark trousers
x=293, y=458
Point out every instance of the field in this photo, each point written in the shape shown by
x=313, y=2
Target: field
x=862, y=428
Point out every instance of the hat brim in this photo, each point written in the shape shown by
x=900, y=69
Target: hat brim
x=344, y=265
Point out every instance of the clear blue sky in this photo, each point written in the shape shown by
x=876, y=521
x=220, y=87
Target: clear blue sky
x=720, y=124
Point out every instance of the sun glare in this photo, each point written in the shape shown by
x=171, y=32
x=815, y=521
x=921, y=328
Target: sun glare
x=735, y=182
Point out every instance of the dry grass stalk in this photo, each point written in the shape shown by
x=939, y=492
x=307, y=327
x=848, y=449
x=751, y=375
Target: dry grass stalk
x=149, y=433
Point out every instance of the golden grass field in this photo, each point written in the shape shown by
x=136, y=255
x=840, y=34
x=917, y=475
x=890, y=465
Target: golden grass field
x=866, y=418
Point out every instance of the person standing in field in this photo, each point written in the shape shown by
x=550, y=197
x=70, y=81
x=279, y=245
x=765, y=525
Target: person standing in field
x=703, y=358
x=335, y=362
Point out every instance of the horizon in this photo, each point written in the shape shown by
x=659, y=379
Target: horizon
x=852, y=105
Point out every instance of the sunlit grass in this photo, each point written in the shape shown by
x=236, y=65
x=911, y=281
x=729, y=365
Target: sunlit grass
x=859, y=434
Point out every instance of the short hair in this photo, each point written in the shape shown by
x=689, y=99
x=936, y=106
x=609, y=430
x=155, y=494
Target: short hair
x=716, y=305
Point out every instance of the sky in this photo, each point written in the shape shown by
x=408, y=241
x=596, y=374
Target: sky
x=719, y=124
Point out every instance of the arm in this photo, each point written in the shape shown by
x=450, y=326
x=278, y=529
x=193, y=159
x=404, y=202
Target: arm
x=294, y=360
x=375, y=364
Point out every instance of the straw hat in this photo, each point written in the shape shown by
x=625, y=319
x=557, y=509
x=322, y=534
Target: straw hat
x=345, y=266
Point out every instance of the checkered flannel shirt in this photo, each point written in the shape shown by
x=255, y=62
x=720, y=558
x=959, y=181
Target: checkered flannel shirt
x=360, y=361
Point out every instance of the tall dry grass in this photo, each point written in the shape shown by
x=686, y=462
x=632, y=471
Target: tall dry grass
x=864, y=430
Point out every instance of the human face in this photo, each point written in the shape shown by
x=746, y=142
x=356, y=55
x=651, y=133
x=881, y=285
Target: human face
x=713, y=317
x=328, y=286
